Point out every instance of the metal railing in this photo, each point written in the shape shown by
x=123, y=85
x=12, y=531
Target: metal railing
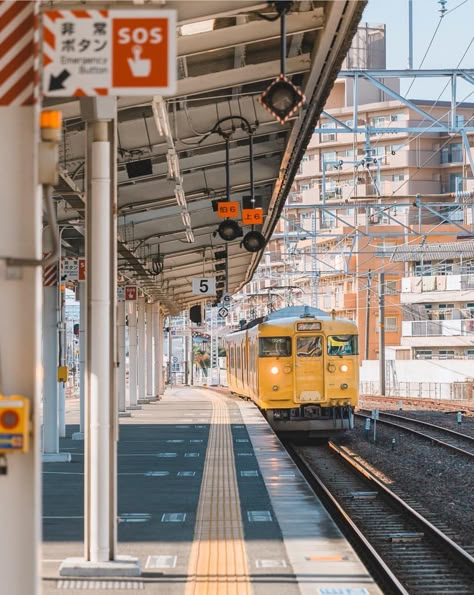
x=451, y=391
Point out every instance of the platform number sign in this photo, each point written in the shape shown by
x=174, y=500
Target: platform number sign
x=204, y=286
x=223, y=312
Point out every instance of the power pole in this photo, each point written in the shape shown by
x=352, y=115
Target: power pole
x=367, y=314
x=382, y=331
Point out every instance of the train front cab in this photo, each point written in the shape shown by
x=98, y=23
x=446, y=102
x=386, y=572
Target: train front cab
x=308, y=375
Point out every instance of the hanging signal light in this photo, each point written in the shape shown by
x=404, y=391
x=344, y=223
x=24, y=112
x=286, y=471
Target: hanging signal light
x=229, y=230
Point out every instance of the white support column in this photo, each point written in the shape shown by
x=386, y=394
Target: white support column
x=160, y=358
x=20, y=314
x=157, y=341
x=141, y=351
x=150, y=392
x=122, y=367
x=100, y=489
x=132, y=355
x=51, y=385
x=82, y=359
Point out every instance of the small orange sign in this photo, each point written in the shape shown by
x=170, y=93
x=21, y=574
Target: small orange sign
x=227, y=208
x=252, y=216
x=82, y=269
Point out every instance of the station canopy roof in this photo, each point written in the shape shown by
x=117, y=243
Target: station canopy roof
x=228, y=54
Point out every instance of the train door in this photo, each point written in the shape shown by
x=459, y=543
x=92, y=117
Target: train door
x=309, y=368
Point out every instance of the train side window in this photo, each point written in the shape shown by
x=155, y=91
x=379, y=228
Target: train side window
x=342, y=345
x=309, y=346
x=274, y=346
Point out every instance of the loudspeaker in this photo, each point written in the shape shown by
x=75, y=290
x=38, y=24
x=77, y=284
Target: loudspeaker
x=136, y=169
x=195, y=314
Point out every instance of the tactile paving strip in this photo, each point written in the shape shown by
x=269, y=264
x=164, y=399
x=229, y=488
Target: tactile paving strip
x=218, y=561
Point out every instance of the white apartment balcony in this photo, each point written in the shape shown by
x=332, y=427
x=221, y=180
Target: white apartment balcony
x=438, y=333
x=437, y=289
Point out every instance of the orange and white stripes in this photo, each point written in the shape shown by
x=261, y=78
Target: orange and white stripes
x=18, y=53
x=50, y=275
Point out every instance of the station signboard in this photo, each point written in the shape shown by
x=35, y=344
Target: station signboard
x=204, y=286
x=109, y=52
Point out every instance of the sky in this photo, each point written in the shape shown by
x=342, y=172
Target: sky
x=455, y=33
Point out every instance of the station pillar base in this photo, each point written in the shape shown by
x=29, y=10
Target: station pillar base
x=133, y=407
x=121, y=566
x=124, y=414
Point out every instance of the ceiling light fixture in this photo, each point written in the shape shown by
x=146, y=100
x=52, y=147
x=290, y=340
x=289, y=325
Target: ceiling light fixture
x=173, y=165
x=180, y=196
x=160, y=113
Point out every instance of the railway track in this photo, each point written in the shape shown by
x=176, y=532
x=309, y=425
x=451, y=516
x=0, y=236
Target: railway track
x=403, y=551
x=456, y=441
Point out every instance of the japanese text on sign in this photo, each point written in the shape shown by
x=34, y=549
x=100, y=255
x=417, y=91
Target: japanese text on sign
x=227, y=208
x=100, y=52
x=252, y=216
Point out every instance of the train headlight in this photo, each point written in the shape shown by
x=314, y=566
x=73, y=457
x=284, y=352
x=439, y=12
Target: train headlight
x=344, y=368
x=275, y=387
x=274, y=370
x=344, y=386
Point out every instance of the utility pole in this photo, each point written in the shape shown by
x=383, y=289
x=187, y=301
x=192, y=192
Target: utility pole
x=382, y=331
x=367, y=314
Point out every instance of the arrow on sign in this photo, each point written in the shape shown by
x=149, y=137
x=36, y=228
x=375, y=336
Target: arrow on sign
x=56, y=82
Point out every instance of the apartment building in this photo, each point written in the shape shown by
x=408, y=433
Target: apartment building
x=358, y=200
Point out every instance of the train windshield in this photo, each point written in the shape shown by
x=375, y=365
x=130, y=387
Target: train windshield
x=311, y=346
x=342, y=345
x=274, y=346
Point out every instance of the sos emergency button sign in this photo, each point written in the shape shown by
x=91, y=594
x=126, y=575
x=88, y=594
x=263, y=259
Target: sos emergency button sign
x=109, y=52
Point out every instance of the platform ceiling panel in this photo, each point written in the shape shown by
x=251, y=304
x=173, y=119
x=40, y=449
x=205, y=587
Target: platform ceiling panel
x=228, y=54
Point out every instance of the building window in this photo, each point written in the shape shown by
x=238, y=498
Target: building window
x=398, y=117
x=379, y=121
x=396, y=148
x=327, y=137
x=423, y=269
x=423, y=354
x=452, y=153
x=327, y=157
x=391, y=287
x=446, y=354
x=469, y=353
x=398, y=177
x=391, y=324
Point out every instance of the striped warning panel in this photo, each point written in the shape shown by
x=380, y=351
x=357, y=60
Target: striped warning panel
x=18, y=53
x=50, y=275
x=51, y=42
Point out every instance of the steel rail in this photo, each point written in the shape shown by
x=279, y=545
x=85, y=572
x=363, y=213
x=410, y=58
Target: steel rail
x=400, y=426
x=435, y=545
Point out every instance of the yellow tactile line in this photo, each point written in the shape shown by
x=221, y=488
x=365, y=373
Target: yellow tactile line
x=218, y=561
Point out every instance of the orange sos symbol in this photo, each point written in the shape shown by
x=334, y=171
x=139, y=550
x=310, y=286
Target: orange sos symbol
x=140, y=52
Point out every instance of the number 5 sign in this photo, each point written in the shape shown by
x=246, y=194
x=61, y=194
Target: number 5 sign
x=204, y=286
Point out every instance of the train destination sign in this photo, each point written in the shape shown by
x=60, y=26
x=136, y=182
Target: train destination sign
x=109, y=52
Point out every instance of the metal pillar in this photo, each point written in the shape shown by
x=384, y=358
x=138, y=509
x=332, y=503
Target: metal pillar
x=141, y=350
x=160, y=356
x=100, y=493
x=157, y=324
x=122, y=364
x=82, y=359
x=132, y=355
x=382, y=331
x=20, y=314
x=150, y=392
x=61, y=338
x=51, y=452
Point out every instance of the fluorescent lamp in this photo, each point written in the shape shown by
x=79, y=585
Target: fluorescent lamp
x=162, y=121
x=186, y=218
x=173, y=164
x=190, y=235
x=180, y=196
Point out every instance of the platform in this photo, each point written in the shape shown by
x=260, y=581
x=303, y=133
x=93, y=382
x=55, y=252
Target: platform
x=210, y=503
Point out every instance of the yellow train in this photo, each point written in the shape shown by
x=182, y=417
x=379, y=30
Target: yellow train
x=300, y=366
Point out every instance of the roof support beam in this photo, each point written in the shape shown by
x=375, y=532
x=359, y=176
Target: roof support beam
x=257, y=31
